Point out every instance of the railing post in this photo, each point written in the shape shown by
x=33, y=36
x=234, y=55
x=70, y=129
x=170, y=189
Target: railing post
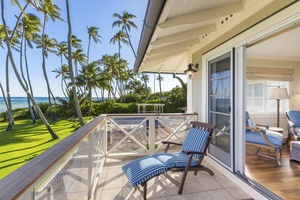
x=105, y=137
x=90, y=163
x=152, y=134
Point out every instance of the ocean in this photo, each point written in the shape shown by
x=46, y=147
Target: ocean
x=20, y=102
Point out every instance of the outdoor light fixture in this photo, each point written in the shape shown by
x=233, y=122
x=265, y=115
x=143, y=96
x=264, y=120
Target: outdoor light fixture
x=278, y=94
x=191, y=69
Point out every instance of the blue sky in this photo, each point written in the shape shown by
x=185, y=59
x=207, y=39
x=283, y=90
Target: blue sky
x=98, y=13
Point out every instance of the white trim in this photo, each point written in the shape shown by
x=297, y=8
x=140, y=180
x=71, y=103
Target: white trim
x=240, y=84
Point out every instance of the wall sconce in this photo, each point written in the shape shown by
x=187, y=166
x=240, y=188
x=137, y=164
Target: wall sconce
x=191, y=69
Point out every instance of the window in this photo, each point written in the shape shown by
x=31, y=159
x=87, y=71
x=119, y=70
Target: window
x=258, y=93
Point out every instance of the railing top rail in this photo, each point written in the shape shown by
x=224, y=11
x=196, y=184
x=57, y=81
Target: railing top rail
x=149, y=114
x=13, y=185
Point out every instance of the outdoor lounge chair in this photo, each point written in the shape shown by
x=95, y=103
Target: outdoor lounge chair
x=260, y=137
x=193, y=150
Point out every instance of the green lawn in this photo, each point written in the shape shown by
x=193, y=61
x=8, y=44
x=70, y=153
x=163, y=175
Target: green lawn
x=27, y=141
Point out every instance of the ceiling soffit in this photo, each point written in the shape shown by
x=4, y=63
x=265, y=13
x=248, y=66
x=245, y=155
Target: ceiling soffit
x=177, y=34
x=185, y=25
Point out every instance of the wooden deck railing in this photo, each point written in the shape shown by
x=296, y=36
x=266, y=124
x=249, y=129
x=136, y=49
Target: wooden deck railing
x=73, y=166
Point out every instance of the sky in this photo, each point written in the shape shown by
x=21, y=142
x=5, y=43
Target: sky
x=98, y=13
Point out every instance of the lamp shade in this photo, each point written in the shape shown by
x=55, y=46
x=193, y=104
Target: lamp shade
x=279, y=93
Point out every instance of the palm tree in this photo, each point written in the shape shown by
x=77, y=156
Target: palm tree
x=160, y=79
x=119, y=37
x=63, y=71
x=145, y=78
x=62, y=50
x=93, y=34
x=125, y=22
x=7, y=99
x=75, y=42
x=47, y=45
x=30, y=26
x=91, y=77
x=74, y=92
x=49, y=10
x=79, y=57
x=8, y=44
x=114, y=69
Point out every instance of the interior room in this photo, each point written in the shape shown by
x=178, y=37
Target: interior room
x=271, y=63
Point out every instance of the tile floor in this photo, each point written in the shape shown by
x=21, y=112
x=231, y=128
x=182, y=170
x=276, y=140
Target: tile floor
x=113, y=184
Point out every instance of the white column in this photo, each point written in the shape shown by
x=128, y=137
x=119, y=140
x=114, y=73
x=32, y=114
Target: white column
x=189, y=96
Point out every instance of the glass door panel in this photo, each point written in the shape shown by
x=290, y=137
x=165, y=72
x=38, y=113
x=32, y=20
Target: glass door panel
x=220, y=88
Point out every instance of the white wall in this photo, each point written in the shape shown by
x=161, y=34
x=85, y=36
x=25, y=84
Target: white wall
x=197, y=93
x=295, y=96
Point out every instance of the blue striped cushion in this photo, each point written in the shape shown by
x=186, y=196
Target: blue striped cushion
x=195, y=141
x=143, y=169
x=171, y=160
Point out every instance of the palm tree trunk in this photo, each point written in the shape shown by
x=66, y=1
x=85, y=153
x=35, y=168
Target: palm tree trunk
x=182, y=84
x=70, y=65
x=9, y=108
x=154, y=83
x=88, y=50
x=8, y=44
x=90, y=102
x=146, y=87
x=4, y=97
x=23, y=77
x=130, y=42
x=160, y=94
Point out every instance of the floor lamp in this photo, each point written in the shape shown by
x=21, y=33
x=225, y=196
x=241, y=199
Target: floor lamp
x=279, y=94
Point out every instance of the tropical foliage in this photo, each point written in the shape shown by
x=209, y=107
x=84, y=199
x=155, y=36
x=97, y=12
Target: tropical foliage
x=108, y=77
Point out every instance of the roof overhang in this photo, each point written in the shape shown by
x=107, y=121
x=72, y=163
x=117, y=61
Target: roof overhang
x=174, y=29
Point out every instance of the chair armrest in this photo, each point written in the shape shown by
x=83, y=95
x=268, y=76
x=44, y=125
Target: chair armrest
x=266, y=126
x=257, y=129
x=168, y=142
x=193, y=152
x=290, y=123
x=168, y=145
x=293, y=126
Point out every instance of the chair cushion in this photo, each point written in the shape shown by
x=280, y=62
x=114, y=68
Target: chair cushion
x=195, y=141
x=251, y=123
x=171, y=160
x=297, y=129
x=143, y=169
x=256, y=137
x=247, y=116
x=294, y=116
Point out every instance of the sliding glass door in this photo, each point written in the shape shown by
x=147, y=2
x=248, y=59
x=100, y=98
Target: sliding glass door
x=220, y=106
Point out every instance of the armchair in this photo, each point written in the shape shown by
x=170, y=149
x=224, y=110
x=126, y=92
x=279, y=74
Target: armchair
x=260, y=137
x=293, y=120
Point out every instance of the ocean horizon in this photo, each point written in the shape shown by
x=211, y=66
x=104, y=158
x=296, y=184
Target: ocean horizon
x=21, y=102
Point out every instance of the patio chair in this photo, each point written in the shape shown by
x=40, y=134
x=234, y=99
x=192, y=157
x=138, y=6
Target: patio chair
x=193, y=150
x=260, y=137
x=293, y=119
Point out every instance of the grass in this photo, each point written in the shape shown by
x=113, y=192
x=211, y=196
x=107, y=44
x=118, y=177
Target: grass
x=27, y=141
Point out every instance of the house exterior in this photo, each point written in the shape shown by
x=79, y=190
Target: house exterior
x=236, y=44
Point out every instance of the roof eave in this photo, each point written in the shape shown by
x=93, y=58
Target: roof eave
x=153, y=12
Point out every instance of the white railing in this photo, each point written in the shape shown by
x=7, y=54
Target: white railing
x=71, y=168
